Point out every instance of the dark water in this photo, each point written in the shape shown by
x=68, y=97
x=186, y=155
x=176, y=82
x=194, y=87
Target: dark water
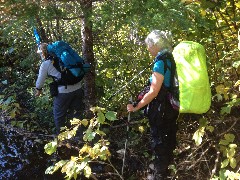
x=21, y=156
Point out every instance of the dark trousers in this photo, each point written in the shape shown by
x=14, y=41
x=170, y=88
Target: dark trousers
x=67, y=106
x=163, y=134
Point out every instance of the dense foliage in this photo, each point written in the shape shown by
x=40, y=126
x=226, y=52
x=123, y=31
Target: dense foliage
x=118, y=53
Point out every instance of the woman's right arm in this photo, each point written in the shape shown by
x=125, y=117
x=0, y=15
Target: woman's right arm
x=157, y=80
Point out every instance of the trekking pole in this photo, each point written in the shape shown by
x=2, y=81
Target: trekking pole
x=126, y=141
x=129, y=82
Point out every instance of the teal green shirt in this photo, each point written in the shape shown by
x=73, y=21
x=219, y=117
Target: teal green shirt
x=159, y=68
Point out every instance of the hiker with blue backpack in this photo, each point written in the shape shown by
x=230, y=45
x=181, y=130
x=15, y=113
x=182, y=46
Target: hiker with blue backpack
x=66, y=68
x=156, y=103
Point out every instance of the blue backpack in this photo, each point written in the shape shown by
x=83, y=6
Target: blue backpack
x=68, y=62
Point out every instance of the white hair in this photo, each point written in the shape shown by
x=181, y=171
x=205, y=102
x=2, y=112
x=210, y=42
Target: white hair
x=161, y=39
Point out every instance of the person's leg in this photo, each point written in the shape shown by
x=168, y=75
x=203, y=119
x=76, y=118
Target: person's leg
x=76, y=107
x=76, y=110
x=165, y=141
x=61, y=104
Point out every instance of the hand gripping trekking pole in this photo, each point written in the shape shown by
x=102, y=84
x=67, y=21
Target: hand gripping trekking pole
x=125, y=148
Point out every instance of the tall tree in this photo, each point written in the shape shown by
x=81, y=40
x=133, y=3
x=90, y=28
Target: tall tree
x=88, y=55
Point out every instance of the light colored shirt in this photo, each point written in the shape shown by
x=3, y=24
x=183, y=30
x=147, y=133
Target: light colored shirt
x=47, y=69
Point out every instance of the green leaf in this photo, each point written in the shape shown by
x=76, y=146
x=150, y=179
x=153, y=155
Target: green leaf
x=225, y=163
x=229, y=137
x=101, y=133
x=236, y=64
x=89, y=136
x=233, y=163
x=210, y=128
x=111, y=116
x=233, y=146
x=231, y=152
x=219, y=97
x=50, y=170
x=197, y=136
x=87, y=171
x=222, y=175
x=203, y=122
x=101, y=117
x=224, y=142
x=50, y=147
x=82, y=165
x=225, y=110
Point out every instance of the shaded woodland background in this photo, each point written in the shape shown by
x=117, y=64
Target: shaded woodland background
x=110, y=35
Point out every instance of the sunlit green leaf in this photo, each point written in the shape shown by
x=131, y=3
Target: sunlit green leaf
x=141, y=129
x=231, y=152
x=100, y=133
x=101, y=117
x=50, y=170
x=89, y=136
x=233, y=146
x=50, y=147
x=229, y=137
x=197, y=136
x=236, y=64
x=111, y=116
x=233, y=162
x=225, y=163
x=87, y=171
x=75, y=121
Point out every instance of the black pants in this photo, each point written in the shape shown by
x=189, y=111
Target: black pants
x=163, y=133
x=67, y=106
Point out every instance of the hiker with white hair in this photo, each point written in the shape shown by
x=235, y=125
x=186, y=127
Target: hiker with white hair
x=162, y=116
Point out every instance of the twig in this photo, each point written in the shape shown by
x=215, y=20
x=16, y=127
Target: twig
x=215, y=165
x=199, y=159
x=206, y=162
x=235, y=121
x=115, y=169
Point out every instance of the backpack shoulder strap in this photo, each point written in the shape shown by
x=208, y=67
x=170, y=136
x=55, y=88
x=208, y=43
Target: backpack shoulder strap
x=164, y=57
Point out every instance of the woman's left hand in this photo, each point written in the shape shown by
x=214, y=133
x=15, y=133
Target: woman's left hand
x=130, y=108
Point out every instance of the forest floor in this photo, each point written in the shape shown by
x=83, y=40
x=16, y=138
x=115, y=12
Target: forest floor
x=26, y=157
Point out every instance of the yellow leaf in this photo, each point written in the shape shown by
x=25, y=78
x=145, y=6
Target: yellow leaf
x=221, y=89
x=141, y=129
x=84, y=122
x=203, y=12
x=237, y=83
x=85, y=148
x=238, y=4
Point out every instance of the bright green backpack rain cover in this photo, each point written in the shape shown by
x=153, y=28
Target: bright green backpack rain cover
x=194, y=88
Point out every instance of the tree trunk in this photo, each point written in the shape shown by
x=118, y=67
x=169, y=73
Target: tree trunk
x=88, y=55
